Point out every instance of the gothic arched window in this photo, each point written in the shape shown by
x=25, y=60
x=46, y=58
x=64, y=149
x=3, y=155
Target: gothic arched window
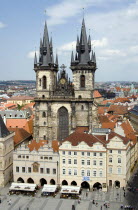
x=63, y=123
x=44, y=82
x=82, y=81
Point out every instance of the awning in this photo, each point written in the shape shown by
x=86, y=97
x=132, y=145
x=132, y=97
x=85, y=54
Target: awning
x=70, y=189
x=23, y=187
x=49, y=188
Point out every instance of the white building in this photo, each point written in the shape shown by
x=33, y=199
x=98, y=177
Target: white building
x=36, y=163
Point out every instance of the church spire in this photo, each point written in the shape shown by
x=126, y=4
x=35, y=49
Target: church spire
x=35, y=60
x=56, y=60
x=72, y=57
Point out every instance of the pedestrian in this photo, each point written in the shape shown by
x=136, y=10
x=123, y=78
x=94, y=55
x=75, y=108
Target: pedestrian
x=124, y=194
x=73, y=207
x=93, y=202
x=101, y=207
x=121, y=206
x=0, y=200
x=86, y=194
x=96, y=204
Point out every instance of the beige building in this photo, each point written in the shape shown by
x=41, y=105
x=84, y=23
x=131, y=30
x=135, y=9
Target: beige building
x=21, y=100
x=93, y=160
x=36, y=163
x=6, y=154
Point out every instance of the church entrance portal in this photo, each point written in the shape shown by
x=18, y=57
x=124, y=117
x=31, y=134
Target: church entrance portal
x=85, y=185
x=43, y=181
x=63, y=129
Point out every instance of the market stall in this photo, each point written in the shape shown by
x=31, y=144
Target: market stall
x=22, y=188
x=49, y=190
x=70, y=191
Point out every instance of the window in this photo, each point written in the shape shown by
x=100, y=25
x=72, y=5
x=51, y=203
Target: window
x=23, y=156
x=75, y=153
x=110, y=151
x=46, y=158
x=63, y=161
x=94, y=173
x=41, y=157
x=75, y=171
x=119, y=170
x=110, y=160
x=44, y=123
x=88, y=153
x=29, y=170
x=82, y=153
x=119, y=160
x=41, y=170
x=119, y=151
x=110, y=170
x=82, y=162
x=43, y=114
x=39, y=82
x=44, y=137
x=88, y=172
x=88, y=162
x=27, y=157
x=69, y=161
x=23, y=169
x=54, y=170
x=17, y=169
x=64, y=171
x=82, y=81
x=100, y=173
x=94, y=162
x=44, y=82
x=69, y=171
x=101, y=154
x=69, y=153
x=101, y=163
x=94, y=154
x=63, y=152
x=75, y=161
x=82, y=172
x=48, y=170
x=19, y=156
x=50, y=158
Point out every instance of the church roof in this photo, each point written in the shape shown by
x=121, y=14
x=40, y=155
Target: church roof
x=3, y=129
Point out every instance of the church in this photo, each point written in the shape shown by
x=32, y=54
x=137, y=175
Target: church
x=61, y=105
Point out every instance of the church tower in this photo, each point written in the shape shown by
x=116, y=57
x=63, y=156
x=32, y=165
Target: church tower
x=46, y=78
x=83, y=66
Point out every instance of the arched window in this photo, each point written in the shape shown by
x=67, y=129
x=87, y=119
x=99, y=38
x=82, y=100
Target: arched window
x=63, y=128
x=82, y=81
x=82, y=107
x=43, y=96
x=43, y=114
x=44, y=82
x=44, y=137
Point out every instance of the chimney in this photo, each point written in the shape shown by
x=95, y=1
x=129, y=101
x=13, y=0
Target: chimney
x=107, y=136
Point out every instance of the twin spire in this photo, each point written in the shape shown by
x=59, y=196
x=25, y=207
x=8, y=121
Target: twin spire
x=46, y=57
x=83, y=49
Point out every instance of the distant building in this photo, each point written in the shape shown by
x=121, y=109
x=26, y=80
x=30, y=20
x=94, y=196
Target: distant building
x=21, y=100
x=133, y=116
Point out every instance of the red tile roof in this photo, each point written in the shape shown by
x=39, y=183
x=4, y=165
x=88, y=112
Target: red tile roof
x=33, y=145
x=118, y=109
x=96, y=94
x=121, y=100
x=20, y=98
x=82, y=129
x=20, y=135
x=109, y=125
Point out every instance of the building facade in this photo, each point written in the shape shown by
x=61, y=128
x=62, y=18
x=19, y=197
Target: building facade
x=6, y=154
x=62, y=105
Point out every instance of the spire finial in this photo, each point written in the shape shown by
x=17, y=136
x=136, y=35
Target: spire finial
x=83, y=12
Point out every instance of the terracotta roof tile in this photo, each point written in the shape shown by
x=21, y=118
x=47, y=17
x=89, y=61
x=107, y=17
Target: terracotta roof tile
x=55, y=145
x=96, y=94
x=20, y=135
x=102, y=110
x=36, y=145
x=109, y=125
x=82, y=129
x=121, y=100
x=103, y=119
x=118, y=109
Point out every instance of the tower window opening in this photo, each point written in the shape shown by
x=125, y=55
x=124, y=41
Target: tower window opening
x=39, y=82
x=44, y=82
x=82, y=81
x=82, y=107
x=43, y=114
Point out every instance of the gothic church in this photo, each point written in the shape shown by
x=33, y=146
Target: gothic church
x=61, y=106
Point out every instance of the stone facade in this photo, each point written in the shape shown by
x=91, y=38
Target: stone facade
x=55, y=92
x=6, y=158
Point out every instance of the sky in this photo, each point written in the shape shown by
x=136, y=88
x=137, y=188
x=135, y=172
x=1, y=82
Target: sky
x=112, y=24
